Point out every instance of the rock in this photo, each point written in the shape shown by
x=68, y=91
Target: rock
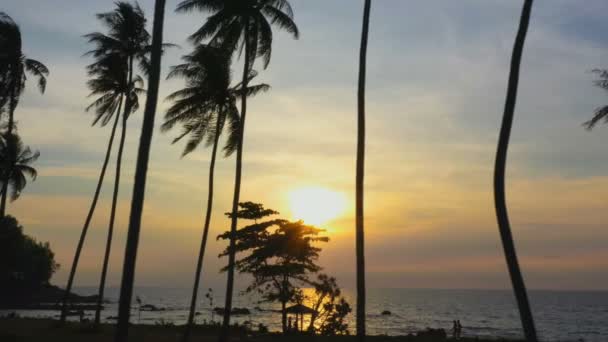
x=386, y=313
x=150, y=307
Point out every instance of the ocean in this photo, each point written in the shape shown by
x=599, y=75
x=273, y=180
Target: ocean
x=561, y=316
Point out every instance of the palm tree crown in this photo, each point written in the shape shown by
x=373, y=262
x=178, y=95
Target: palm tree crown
x=208, y=100
x=233, y=21
x=15, y=161
x=109, y=83
x=127, y=35
x=14, y=65
x=600, y=113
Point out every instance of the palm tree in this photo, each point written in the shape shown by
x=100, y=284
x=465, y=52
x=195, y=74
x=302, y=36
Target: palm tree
x=14, y=66
x=15, y=164
x=240, y=25
x=203, y=107
x=139, y=186
x=360, y=239
x=601, y=112
x=114, y=82
x=499, y=179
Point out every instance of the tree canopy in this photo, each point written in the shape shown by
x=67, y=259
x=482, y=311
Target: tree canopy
x=26, y=263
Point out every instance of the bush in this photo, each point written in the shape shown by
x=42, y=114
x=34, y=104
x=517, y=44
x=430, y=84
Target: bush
x=26, y=263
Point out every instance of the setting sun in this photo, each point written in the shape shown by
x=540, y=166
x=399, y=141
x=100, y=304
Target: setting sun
x=316, y=205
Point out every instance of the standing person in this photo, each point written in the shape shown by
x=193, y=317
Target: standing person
x=458, y=329
x=454, y=329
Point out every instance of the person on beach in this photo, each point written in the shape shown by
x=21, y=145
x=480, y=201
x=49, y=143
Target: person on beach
x=458, y=329
x=454, y=329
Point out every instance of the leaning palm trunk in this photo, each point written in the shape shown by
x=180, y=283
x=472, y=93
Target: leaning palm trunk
x=141, y=170
x=106, y=258
x=121, y=145
x=87, y=222
x=499, y=180
x=201, y=253
x=360, y=239
x=225, y=331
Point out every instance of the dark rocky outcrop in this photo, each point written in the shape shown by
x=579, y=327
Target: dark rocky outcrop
x=46, y=297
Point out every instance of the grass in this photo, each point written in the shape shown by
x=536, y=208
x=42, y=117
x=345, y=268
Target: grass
x=46, y=330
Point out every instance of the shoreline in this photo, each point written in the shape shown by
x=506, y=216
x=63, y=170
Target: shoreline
x=48, y=330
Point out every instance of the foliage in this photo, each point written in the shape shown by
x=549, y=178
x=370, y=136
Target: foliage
x=600, y=113
x=27, y=263
x=335, y=323
x=112, y=74
x=279, y=254
x=15, y=160
x=232, y=22
x=14, y=65
x=208, y=101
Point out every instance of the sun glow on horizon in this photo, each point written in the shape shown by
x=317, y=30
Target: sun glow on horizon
x=316, y=205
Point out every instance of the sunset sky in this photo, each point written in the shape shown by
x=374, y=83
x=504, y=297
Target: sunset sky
x=436, y=84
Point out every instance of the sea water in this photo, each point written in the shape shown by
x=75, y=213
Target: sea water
x=559, y=315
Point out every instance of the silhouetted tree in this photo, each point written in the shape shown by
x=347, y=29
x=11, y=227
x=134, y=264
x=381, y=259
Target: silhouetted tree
x=15, y=164
x=14, y=66
x=236, y=24
x=26, y=263
x=114, y=81
x=601, y=112
x=141, y=170
x=360, y=238
x=499, y=179
x=279, y=255
x=202, y=108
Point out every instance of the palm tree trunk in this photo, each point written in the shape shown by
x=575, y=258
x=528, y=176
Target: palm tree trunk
x=225, y=331
x=87, y=222
x=201, y=253
x=106, y=258
x=11, y=123
x=360, y=239
x=121, y=145
x=284, y=316
x=141, y=170
x=499, y=180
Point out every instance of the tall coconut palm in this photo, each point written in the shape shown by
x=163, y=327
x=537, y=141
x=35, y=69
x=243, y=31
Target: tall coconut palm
x=141, y=170
x=202, y=108
x=14, y=67
x=600, y=113
x=129, y=93
x=15, y=164
x=115, y=81
x=360, y=238
x=240, y=25
x=517, y=279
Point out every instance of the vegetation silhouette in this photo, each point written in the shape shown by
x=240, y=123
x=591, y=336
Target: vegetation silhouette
x=281, y=256
x=601, y=112
x=517, y=279
x=139, y=186
x=114, y=81
x=203, y=108
x=27, y=264
x=14, y=67
x=245, y=26
x=360, y=176
x=15, y=164
x=329, y=307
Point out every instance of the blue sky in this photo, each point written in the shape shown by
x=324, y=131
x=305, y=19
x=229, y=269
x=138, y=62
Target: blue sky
x=436, y=85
